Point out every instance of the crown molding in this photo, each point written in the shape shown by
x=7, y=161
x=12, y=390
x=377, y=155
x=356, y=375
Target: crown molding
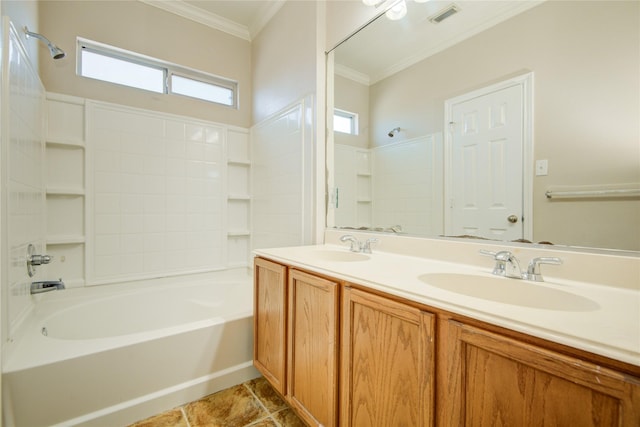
x=196, y=14
x=351, y=74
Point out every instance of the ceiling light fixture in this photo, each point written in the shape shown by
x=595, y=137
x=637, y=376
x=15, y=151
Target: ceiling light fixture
x=398, y=9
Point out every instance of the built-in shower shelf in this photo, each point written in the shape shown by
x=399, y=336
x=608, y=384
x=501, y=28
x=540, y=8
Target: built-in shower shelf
x=364, y=173
x=238, y=162
x=65, y=240
x=60, y=142
x=364, y=200
x=60, y=191
x=239, y=197
x=238, y=233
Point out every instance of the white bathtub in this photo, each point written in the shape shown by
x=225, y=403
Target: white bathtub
x=110, y=355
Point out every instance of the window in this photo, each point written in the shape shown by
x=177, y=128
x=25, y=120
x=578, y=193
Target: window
x=345, y=122
x=110, y=64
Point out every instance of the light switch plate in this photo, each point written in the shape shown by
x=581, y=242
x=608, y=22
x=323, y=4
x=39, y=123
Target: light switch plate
x=542, y=167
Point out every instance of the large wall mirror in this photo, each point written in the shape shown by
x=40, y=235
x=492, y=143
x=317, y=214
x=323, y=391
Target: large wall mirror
x=406, y=92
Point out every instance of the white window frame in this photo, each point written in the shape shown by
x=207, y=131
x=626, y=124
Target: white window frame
x=168, y=69
x=353, y=117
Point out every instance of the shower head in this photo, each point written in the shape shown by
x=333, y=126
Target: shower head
x=393, y=132
x=56, y=52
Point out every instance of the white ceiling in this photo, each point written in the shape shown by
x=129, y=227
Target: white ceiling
x=386, y=47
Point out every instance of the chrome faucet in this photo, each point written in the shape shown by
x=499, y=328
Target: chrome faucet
x=507, y=264
x=356, y=245
x=533, y=271
x=366, y=246
x=46, y=286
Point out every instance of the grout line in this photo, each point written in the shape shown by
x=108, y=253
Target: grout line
x=255, y=396
x=184, y=415
x=269, y=414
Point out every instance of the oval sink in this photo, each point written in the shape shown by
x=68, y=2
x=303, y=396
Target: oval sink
x=338, y=256
x=509, y=291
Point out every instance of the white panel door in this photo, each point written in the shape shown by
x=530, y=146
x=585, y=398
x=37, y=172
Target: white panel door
x=486, y=170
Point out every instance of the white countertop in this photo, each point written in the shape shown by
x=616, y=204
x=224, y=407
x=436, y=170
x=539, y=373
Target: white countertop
x=607, y=322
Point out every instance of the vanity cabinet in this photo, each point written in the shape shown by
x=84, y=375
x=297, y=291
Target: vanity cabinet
x=296, y=338
x=404, y=363
x=487, y=379
x=387, y=362
x=270, y=321
x=312, y=351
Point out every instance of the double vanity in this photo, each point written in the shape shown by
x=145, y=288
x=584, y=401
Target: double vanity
x=438, y=334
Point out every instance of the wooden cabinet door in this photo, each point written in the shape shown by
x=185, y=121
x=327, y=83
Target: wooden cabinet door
x=387, y=362
x=486, y=379
x=312, y=386
x=269, y=321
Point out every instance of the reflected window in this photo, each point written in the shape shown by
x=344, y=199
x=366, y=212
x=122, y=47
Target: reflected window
x=345, y=122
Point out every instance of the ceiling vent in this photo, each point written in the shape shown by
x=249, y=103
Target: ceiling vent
x=445, y=13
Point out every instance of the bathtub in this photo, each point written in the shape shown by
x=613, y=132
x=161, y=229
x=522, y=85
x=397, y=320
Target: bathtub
x=114, y=354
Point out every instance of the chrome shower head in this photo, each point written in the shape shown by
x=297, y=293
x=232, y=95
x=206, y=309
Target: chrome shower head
x=56, y=52
x=393, y=132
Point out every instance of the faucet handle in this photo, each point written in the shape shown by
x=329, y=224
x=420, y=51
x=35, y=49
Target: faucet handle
x=488, y=253
x=533, y=271
x=366, y=247
x=355, y=244
x=507, y=264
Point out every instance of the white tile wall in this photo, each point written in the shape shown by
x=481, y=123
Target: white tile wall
x=281, y=215
x=23, y=138
x=407, y=185
x=157, y=193
x=353, y=182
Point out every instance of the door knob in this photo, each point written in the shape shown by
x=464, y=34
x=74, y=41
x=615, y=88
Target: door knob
x=512, y=219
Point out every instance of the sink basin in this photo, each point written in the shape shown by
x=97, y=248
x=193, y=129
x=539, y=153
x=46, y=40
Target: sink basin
x=510, y=291
x=338, y=256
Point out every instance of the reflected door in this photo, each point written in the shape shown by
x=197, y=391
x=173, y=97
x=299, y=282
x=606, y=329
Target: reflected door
x=485, y=175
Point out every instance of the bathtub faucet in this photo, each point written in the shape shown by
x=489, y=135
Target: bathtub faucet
x=46, y=286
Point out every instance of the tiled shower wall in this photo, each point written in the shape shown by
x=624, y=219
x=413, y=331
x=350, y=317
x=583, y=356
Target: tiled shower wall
x=282, y=177
x=408, y=184
x=396, y=184
x=23, y=161
x=152, y=194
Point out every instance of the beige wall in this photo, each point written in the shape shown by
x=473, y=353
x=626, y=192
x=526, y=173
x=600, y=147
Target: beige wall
x=353, y=97
x=586, y=107
x=135, y=26
x=284, y=59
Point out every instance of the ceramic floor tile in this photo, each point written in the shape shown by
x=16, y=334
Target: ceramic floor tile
x=267, y=395
x=171, y=418
x=233, y=407
x=288, y=418
x=267, y=422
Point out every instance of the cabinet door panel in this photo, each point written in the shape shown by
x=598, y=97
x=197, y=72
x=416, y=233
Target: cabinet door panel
x=313, y=348
x=269, y=321
x=494, y=380
x=387, y=362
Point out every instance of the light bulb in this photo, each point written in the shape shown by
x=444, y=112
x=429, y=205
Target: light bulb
x=397, y=11
x=418, y=1
x=370, y=2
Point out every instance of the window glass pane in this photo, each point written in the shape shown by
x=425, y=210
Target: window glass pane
x=201, y=90
x=123, y=72
x=342, y=124
x=345, y=122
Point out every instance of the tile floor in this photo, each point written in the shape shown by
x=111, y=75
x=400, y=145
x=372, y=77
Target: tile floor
x=253, y=403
